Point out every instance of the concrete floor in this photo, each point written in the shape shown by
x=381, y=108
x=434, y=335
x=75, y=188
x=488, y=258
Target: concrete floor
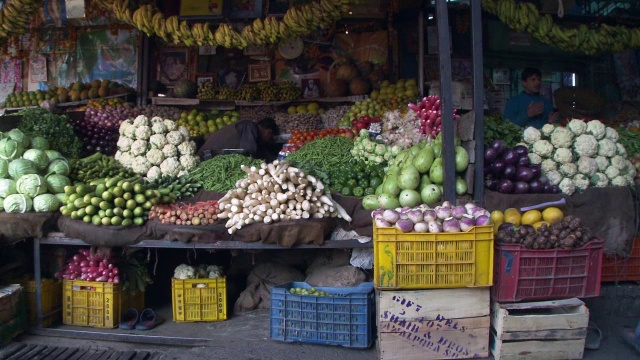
x=247, y=338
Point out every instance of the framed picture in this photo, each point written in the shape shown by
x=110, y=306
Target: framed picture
x=231, y=78
x=173, y=65
x=277, y=7
x=207, y=50
x=201, y=8
x=310, y=88
x=255, y=50
x=246, y=9
x=204, y=78
x=259, y=72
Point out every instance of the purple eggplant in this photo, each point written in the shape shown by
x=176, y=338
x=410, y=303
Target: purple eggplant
x=536, y=187
x=510, y=157
x=490, y=155
x=505, y=186
x=497, y=167
x=524, y=174
x=509, y=172
x=521, y=150
x=499, y=146
x=521, y=187
x=524, y=161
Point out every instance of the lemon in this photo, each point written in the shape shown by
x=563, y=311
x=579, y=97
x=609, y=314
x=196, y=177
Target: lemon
x=552, y=215
x=513, y=216
x=497, y=217
x=540, y=223
x=531, y=217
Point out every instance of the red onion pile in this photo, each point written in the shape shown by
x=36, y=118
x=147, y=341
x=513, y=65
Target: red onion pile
x=90, y=267
x=99, y=128
x=430, y=114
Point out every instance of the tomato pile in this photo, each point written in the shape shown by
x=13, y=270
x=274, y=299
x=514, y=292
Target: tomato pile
x=357, y=179
x=299, y=138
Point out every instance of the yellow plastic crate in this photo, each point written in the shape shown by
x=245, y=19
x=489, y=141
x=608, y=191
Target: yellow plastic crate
x=97, y=304
x=199, y=299
x=433, y=261
x=51, y=301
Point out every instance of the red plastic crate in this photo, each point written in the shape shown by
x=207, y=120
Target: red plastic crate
x=616, y=268
x=522, y=274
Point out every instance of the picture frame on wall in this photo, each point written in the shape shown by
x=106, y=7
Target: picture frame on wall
x=206, y=50
x=173, y=65
x=259, y=72
x=245, y=9
x=201, y=9
x=277, y=7
x=201, y=79
x=231, y=78
x=255, y=50
x=310, y=88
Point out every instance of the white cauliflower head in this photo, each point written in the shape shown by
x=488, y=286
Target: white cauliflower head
x=170, y=166
x=531, y=135
x=581, y=182
x=124, y=143
x=548, y=165
x=621, y=150
x=156, y=120
x=543, y=148
x=189, y=161
x=140, y=120
x=139, y=147
x=562, y=138
x=596, y=128
x=612, y=172
x=126, y=159
x=586, y=145
x=154, y=173
x=607, y=148
x=187, y=148
x=535, y=159
x=587, y=166
x=568, y=169
x=184, y=131
x=554, y=177
x=159, y=128
x=567, y=186
x=620, y=163
x=184, y=271
x=123, y=128
x=619, y=181
x=158, y=141
x=577, y=126
x=155, y=156
x=143, y=133
x=174, y=138
x=546, y=130
x=171, y=125
x=130, y=132
x=603, y=163
x=599, y=180
x=140, y=165
x=563, y=156
x=170, y=151
x=611, y=134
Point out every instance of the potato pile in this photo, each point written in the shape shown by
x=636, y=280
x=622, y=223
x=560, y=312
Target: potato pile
x=568, y=233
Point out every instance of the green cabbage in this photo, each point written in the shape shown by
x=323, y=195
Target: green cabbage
x=56, y=183
x=46, y=202
x=10, y=149
x=20, y=137
x=39, y=143
x=17, y=203
x=52, y=155
x=4, y=168
x=59, y=166
x=64, y=198
x=19, y=167
x=1, y=203
x=7, y=187
x=32, y=185
x=38, y=157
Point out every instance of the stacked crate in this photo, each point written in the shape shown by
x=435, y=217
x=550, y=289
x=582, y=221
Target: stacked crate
x=13, y=316
x=433, y=293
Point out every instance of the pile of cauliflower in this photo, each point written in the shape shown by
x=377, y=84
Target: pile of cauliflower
x=580, y=155
x=184, y=271
x=155, y=147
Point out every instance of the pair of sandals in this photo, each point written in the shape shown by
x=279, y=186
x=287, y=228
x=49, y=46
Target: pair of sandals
x=146, y=320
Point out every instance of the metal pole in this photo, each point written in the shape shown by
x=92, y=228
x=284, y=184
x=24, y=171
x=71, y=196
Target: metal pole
x=478, y=99
x=446, y=100
x=38, y=279
x=421, y=52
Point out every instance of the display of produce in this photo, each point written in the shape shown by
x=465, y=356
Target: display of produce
x=28, y=98
x=97, y=166
x=580, y=155
x=32, y=177
x=429, y=112
x=403, y=130
x=165, y=112
x=311, y=291
x=201, y=123
x=568, y=233
x=100, y=104
x=221, y=173
x=495, y=128
x=75, y=92
x=16, y=17
x=300, y=138
x=629, y=138
x=184, y=271
x=310, y=108
x=423, y=219
x=372, y=151
x=288, y=123
x=55, y=129
x=276, y=192
x=200, y=213
x=112, y=201
x=173, y=187
x=535, y=218
x=510, y=171
x=322, y=156
x=356, y=179
x=99, y=128
x=264, y=91
x=333, y=116
x=156, y=147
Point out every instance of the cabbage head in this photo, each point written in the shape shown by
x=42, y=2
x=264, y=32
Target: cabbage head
x=62, y=197
x=52, y=155
x=56, y=183
x=7, y=187
x=1, y=203
x=39, y=143
x=17, y=203
x=38, y=157
x=20, y=137
x=19, y=167
x=4, y=168
x=32, y=185
x=10, y=149
x=46, y=202
x=59, y=166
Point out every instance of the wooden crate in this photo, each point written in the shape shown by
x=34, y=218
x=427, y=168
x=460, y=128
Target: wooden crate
x=544, y=330
x=433, y=324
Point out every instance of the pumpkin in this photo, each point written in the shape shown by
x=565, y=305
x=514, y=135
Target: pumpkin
x=359, y=86
x=347, y=72
x=185, y=89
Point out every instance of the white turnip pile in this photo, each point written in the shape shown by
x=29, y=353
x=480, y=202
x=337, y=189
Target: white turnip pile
x=276, y=192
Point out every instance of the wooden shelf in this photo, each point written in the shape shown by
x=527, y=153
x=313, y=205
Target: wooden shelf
x=228, y=104
x=86, y=101
x=174, y=101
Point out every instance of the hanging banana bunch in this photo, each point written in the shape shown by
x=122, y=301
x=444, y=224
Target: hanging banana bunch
x=15, y=17
x=526, y=17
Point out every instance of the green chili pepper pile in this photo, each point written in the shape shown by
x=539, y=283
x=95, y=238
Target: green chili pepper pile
x=630, y=140
x=222, y=172
x=324, y=154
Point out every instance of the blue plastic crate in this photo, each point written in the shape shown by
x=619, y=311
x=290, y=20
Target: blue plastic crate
x=345, y=319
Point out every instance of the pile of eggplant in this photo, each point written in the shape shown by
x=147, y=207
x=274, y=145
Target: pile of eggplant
x=509, y=171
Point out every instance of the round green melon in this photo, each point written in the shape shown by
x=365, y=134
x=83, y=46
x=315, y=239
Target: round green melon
x=185, y=89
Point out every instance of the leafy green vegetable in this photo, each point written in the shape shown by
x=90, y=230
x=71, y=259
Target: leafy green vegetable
x=495, y=128
x=630, y=140
x=53, y=128
x=46, y=202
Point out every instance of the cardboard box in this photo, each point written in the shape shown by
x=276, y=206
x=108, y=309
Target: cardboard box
x=462, y=92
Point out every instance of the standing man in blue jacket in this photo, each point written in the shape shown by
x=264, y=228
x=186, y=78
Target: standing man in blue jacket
x=529, y=108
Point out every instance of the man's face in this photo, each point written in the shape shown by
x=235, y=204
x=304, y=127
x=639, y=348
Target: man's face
x=266, y=135
x=532, y=84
